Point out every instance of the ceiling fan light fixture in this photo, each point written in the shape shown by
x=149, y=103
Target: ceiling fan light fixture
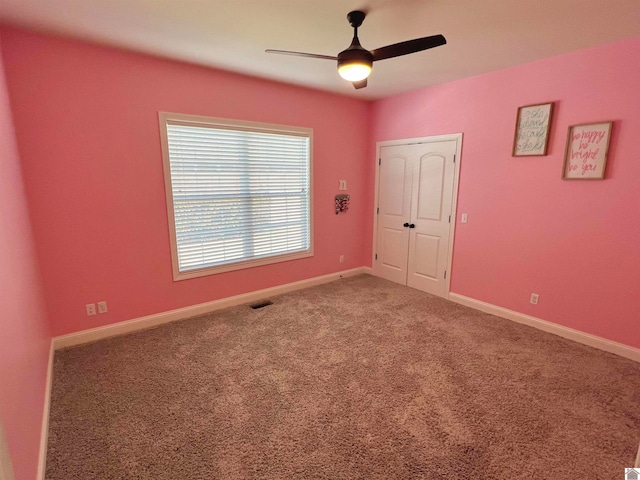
x=354, y=71
x=354, y=64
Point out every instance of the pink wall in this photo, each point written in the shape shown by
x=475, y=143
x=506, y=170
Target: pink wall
x=87, y=126
x=24, y=329
x=576, y=243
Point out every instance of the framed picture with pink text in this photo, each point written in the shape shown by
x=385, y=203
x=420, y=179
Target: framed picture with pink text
x=585, y=157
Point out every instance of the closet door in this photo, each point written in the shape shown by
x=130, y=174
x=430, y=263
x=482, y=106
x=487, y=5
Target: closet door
x=394, y=210
x=431, y=202
x=415, y=201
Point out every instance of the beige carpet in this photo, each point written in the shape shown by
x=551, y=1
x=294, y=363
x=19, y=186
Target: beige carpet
x=357, y=379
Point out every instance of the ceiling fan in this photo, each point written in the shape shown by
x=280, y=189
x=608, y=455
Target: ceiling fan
x=355, y=63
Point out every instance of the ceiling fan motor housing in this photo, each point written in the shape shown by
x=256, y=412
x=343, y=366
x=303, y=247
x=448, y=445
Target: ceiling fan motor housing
x=355, y=54
x=354, y=63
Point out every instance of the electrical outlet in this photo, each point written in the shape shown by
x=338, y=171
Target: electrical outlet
x=341, y=258
x=102, y=307
x=464, y=218
x=534, y=298
x=342, y=185
x=91, y=309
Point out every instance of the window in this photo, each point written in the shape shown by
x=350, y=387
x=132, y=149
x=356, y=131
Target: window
x=238, y=193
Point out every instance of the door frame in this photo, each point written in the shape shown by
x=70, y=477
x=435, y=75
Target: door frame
x=457, y=137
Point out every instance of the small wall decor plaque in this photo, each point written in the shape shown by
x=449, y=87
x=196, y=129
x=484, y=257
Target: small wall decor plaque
x=532, y=130
x=585, y=157
x=342, y=203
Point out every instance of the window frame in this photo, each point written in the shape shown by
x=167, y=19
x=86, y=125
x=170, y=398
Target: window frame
x=202, y=121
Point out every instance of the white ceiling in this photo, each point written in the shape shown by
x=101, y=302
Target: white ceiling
x=483, y=35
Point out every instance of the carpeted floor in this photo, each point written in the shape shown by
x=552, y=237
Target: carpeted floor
x=357, y=379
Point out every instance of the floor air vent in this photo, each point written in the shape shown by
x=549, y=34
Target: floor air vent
x=261, y=304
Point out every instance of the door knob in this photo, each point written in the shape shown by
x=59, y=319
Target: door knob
x=412, y=226
x=405, y=225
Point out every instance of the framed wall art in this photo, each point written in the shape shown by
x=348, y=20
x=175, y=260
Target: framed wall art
x=532, y=130
x=585, y=156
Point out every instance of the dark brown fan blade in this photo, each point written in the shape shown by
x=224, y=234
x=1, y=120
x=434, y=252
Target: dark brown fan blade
x=410, y=46
x=302, y=54
x=360, y=84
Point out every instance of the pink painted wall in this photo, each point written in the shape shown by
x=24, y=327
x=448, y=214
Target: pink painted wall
x=575, y=243
x=87, y=126
x=24, y=329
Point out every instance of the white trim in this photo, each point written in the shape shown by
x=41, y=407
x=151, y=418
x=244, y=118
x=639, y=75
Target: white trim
x=148, y=321
x=376, y=188
x=637, y=464
x=6, y=472
x=457, y=137
x=44, y=434
x=565, y=332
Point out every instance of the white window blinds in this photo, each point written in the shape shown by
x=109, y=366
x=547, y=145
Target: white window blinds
x=239, y=194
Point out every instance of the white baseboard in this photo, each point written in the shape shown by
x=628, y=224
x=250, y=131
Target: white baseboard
x=148, y=321
x=44, y=433
x=566, y=332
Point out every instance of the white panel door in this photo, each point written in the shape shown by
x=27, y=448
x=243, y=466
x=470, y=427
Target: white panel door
x=432, y=197
x=394, y=204
x=415, y=198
